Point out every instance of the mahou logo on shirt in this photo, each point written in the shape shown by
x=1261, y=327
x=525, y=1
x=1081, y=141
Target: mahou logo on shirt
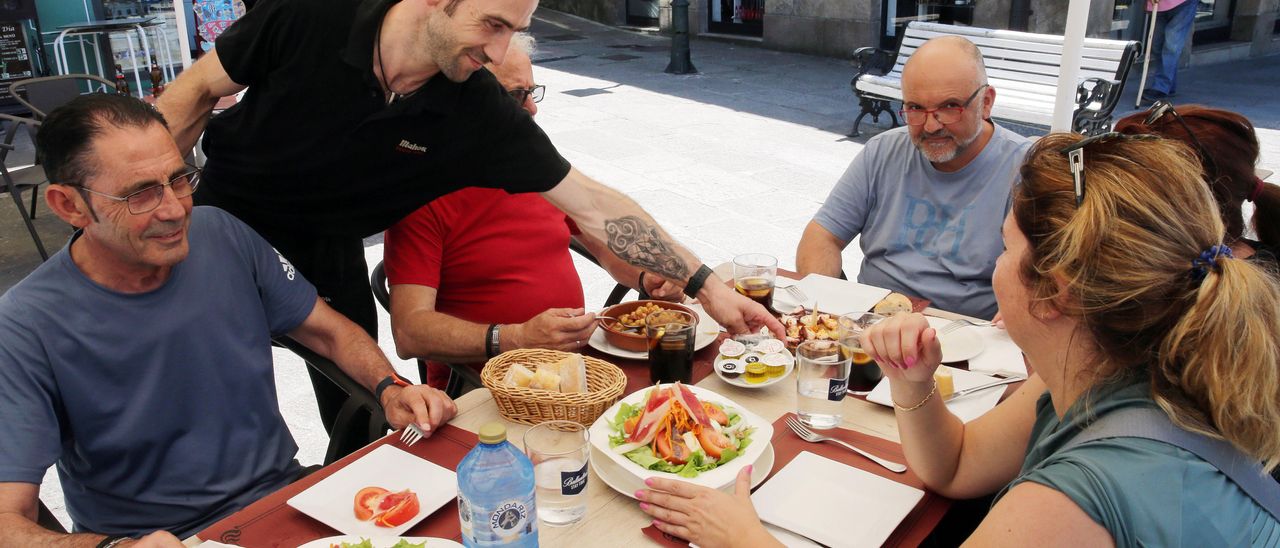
x=409, y=147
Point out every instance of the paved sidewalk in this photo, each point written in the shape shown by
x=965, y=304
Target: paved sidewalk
x=733, y=159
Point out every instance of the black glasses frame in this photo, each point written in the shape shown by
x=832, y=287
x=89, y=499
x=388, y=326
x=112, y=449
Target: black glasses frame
x=1163, y=107
x=1075, y=156
x=537, y=92
x=193, y=174
x=926, y=112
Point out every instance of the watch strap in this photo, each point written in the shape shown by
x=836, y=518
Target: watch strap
x=492, y=342
x=386, y=383
x=696, y=281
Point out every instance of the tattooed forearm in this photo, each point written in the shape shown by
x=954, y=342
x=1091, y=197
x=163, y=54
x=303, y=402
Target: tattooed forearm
x=641, y=244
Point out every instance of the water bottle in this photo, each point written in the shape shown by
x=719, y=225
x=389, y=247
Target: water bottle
x=495, y=493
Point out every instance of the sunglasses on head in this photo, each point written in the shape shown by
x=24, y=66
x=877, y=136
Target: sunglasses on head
x=1161, y=108
x=1075, y=156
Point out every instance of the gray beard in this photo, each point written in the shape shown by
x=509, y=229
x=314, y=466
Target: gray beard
x=944, y=157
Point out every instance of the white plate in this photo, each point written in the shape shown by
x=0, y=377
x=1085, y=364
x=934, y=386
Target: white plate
x=834, y=503
x=739, y=381
x=834, y=295
x=381, y=542
x=959, y=345
x=623, y=482
x=331, y=500
x=967, y=408
x=715, y=479
x=708, y=330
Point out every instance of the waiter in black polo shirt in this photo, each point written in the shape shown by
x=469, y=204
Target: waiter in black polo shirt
x=359, y=112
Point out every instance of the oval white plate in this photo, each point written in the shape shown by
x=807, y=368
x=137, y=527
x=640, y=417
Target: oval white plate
x=715, y=479
x=744, y=384
x=380, y=542
x=959, y=345
x=708, y=331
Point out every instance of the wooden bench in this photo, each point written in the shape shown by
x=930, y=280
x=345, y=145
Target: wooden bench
x=1022, y=67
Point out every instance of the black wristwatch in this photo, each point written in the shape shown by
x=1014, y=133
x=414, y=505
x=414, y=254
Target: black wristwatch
x=387, y=382
x=696, y=281
x=492, y=344
x=113, y=540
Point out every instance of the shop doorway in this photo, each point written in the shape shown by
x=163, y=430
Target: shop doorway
x=744, y=17
x=642, y=13
x=1213, y=20
x=897, y=13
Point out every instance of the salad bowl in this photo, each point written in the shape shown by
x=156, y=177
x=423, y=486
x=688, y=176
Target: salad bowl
x=761, y=432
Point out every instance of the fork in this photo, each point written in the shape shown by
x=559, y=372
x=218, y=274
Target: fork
x=410, y=435
x=813, y=437
x=796, y=293
x=961, y=322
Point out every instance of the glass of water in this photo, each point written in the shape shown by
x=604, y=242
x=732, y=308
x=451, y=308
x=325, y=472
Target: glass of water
x=560, y=451
x=821, y=383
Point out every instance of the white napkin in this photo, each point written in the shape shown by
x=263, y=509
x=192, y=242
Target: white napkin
x=966, y=408
x=834, y=503
x=834, y=296
x=1001, y=356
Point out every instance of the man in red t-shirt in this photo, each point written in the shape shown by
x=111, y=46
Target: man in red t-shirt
x=480, y=257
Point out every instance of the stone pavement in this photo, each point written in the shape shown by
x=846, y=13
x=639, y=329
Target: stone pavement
x=733, y=159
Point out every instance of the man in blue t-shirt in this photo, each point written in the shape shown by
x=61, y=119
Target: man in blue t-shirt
x=137, y=359
x=927, y=199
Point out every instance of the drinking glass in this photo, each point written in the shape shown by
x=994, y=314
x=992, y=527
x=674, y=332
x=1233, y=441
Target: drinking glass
x=821, y=382
x=671, y=335
x=754, y=275
x=560, y=451
x=864, y=373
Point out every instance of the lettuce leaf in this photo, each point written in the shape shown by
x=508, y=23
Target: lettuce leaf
x=364, y=543
x=406, y=544
x=625, y=411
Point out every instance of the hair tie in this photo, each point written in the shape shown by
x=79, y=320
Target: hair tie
x=1208, y=259
x=1257, y=190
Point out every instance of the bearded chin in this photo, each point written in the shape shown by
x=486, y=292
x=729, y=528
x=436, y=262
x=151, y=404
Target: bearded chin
x=942, y=157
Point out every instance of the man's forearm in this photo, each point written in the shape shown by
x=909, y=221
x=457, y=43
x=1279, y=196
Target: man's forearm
x=186, y=109
x=433, y=335
x=819, y=252
x=20, y=531
x=621, y=271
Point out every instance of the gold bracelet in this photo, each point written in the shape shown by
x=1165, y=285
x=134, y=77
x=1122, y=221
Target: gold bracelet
x=926, y=399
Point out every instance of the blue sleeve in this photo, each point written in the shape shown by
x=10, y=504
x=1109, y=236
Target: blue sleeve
x=287, y=297
x=29, y=426
x=845, y=212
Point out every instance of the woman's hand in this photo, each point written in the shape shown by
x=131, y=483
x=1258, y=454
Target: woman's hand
x=905, y=347
x=704, y=516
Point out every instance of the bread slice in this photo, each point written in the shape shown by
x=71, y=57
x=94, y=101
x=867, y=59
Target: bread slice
x=545, y=380
x=573, y=373
x=518, y=375
x=894, y=303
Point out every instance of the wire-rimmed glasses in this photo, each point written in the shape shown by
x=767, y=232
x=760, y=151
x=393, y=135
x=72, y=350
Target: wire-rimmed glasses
x=536, y=92
x=141, y=201
x=946, y=115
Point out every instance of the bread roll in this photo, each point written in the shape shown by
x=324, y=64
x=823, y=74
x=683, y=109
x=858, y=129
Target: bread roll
x=894, y=303
x=573, y=373
x=518, y=375
x=546, y=380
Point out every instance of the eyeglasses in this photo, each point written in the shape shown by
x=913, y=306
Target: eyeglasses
x=917, y=116
x=1075, y=156
x=149, y=198
x=537, y=92
x=1161, y=108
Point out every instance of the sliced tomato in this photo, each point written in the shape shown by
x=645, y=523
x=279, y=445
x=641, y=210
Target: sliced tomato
x=630, y=425
x=714, y=443
x=671, y=447
x=716, y=414
x=367, y=501
x=397, y=508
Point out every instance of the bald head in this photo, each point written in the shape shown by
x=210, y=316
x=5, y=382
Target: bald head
x=950, y=59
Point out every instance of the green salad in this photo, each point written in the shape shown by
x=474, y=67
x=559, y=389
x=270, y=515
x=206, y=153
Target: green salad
x=677, y=442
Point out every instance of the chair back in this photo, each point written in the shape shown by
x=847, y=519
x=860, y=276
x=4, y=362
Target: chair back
x=46, y=93
x=378, y=283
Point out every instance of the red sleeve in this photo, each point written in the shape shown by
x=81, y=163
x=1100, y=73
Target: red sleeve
x=573, y=227
x=413, y=249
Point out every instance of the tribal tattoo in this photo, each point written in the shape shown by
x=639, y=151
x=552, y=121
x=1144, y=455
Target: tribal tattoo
x=641, y=244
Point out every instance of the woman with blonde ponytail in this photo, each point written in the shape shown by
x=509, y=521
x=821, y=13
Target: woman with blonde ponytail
x=1118, y=287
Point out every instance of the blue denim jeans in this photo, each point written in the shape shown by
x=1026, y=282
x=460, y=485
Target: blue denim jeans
x=1172, y=28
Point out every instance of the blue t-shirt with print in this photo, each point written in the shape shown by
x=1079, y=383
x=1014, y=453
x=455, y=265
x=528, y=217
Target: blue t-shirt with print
x=159, y=408
x=926, y=232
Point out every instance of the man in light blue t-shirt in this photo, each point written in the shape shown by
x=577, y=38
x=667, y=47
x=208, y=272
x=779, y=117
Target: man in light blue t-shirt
x=138, y=358
x=928, y=199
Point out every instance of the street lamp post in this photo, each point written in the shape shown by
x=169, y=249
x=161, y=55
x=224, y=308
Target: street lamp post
x=680, y=61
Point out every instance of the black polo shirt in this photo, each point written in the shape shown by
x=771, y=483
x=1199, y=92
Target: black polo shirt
x=313, y=147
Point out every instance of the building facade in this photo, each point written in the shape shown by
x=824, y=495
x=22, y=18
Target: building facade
x=1224, y=29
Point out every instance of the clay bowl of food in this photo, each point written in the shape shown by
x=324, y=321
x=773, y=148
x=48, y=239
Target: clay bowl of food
x=627, y=332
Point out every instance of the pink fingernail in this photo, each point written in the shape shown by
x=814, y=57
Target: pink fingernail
x=911, y=360
x=644, y=506
x=648, y=481
x=640, y=494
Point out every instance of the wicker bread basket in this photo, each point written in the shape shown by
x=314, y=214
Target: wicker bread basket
x=605, y=383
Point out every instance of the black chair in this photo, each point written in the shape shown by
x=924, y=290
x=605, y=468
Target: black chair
x=350, y=432
x=21, y=179
x=46, y=519
x=43, y=94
